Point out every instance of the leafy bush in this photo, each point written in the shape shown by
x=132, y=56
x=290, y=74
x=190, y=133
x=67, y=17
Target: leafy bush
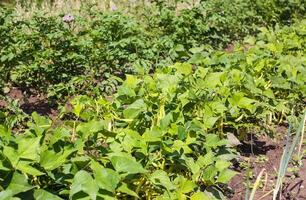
x=46, y=53
x=161, y=135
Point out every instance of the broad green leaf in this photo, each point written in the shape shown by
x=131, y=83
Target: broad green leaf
x=125, y=189
x=40, y=123
x=200, y=196
x=77, y=108
x=131, y=81
x=212, y=140
x=209, y=174
x=7, y=195
x=167, y=83
x=19, y=183
x=226, y=175
x=222, y=164
x=25, y=167
x=94, y=126
x=184, y=185
x=60, y=133
x=133, y=110
x=207, y=159
x=209, y=122
x=51, y=160
x=106, y=197
x=126, y=164
x=154, y=135
x=41, y=194
x=83, y=181
x=178, y=145
x=193, y=167
x=107, y=179
x=28, y=148
x=213, y=79
x=161, y=178
x=11, y=155
x=183, y=68
x=197, y=49
x=238, y=99
x=126, y=91
x=5, y=133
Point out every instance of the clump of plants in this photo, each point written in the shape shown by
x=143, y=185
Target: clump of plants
x=155, y=101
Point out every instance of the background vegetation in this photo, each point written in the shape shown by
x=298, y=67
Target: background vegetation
x=157, y=90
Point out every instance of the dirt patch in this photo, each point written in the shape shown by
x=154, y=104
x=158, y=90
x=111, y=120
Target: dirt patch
x=265, y=153
x=31, y=101
x=3, y=104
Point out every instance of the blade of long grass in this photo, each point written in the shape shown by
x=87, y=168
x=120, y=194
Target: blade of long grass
x=256, y=184
x=287, y=154
x=282, y=164
x=302, y=129
x=247, y=191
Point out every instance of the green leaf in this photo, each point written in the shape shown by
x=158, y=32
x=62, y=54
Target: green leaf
x=126, y=164
x=212, y=140
x=209, y=122
x=5, y=133
x=197, y=49
x=107, y=179
x=239, y=100
x=19, y=183
x=222, y=164
x=154, y=135
x=213, y=79
x=178, y=145
x=11, y=155
x=83, y=181
x=131, y=81
x=25, y=167
x=133, y=110
x=41, y=194
x=207, y=159
x=209, y=174
x=94, y=126
x=226, y=175
x=183, y=68
x=185, y=186
x=41, y=123
x=200, y=196
x=7, y=195
x=161, y=178
x=28, y=148
x=125, y=189
x=51, y=160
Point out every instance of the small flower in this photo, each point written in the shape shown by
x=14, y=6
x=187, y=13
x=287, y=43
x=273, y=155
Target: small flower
x=68, y=18
x=114, y=8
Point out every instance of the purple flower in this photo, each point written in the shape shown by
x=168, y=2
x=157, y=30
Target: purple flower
x=68, y=18
x=114, y=8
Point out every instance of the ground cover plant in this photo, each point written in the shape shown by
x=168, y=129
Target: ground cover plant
x=149, y=106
